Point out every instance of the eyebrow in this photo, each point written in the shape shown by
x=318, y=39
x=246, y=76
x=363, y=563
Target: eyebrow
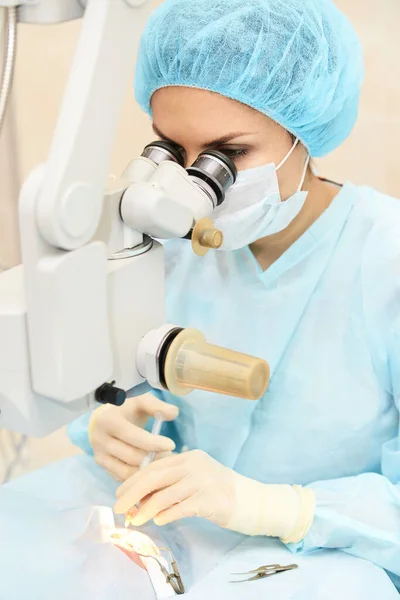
x=217, y=142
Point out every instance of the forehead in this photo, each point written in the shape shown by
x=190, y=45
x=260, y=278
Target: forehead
x=188, y=115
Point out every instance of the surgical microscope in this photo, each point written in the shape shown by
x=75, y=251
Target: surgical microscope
x=83, y=318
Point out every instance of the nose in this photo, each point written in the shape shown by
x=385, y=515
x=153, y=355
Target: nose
x=191, y=156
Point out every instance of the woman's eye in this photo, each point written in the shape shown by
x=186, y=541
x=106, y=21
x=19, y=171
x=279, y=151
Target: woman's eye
x=234, y=154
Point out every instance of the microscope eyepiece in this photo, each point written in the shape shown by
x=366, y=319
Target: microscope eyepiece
x=226, y=161
x=159, y=151
x=214, y=172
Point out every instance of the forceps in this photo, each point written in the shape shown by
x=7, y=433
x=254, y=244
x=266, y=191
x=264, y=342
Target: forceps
x=264, y=571
x=174, y=579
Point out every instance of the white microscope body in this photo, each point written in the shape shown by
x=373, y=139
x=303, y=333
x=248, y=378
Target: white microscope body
x=83, y=318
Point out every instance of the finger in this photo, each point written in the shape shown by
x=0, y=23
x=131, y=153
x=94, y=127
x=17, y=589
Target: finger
x=116, y=468
x=147, y=483
x=161, y=455
x=188, y=508
x=130, y=514
x=162, y=501
x=93, y=421
x=152, y=406
x=170, y=462
x=132, y=435
x=149, y=406
x=124, y=452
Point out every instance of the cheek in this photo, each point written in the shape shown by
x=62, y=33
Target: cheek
x=253, y=159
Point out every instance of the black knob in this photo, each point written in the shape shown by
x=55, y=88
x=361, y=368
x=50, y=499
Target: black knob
x=109, y=394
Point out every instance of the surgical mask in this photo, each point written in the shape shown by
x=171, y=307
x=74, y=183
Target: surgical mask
x=253, y=207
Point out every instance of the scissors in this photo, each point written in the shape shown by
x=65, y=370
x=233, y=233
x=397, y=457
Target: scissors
x=264, y=572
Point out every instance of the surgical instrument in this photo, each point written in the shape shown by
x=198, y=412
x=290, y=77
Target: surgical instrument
x=174, y=579
x=156, y=430
x=265, y=571
x=148, y=459
x=163, y=572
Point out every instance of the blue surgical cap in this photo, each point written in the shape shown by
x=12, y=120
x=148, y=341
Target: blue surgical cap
x=297, y=61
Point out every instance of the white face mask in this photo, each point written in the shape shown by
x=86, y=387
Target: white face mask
x=253, y=207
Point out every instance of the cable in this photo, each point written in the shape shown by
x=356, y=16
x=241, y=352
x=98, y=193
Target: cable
x=5, y=92
x=9, y=61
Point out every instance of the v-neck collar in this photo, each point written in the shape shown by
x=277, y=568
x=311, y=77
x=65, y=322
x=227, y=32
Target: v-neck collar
x=336, y=213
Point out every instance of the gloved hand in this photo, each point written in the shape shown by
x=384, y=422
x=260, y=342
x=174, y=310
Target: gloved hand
x=194, y=484
x=118, y=438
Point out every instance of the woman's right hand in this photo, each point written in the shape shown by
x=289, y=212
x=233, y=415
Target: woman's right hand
x=118, y=438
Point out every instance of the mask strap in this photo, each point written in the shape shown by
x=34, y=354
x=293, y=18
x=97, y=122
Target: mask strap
x=289, y=154
x=303, y=177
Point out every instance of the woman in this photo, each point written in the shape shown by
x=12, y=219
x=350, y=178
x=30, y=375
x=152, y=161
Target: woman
x=308, y=278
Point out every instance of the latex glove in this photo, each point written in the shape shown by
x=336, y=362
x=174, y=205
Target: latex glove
x=118, y=438
x=195, y=485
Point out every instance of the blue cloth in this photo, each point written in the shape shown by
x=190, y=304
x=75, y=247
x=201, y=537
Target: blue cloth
x=326, y=316
x=297, y=61
x=78, y=432
x=55, y=526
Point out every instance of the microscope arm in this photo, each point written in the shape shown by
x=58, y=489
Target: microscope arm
x=65, y=272
x=55, y=309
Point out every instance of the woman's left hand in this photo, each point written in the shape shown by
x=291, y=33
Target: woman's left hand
x=191, y=484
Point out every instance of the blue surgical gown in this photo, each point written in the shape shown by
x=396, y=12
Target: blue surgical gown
x=326, y=316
